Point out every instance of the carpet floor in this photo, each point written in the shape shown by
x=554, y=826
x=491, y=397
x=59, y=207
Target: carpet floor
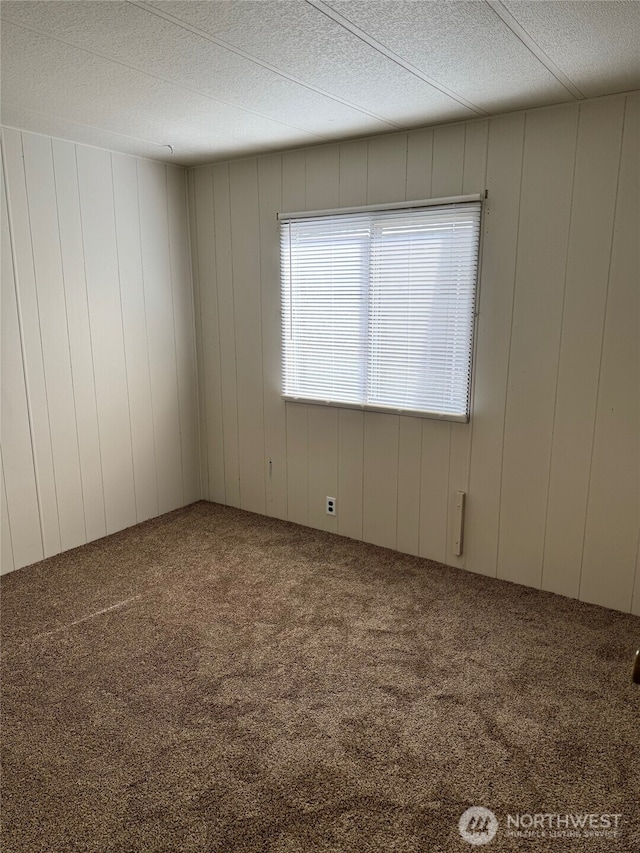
x=214, y=680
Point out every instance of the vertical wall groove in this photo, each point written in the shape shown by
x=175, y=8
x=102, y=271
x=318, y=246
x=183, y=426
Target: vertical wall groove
x=604, y=323
x=197, y=370
x=24, y=368
x=504, y=412
x=124, y=347
x=559, y=347
x=173, y=305
x=66, y=312
x=86, y=309
x=56, y=547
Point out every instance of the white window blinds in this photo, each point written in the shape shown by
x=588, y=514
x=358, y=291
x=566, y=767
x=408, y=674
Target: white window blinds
x=378, y=308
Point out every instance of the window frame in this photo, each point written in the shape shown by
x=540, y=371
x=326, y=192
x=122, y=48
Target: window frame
x=283, y=218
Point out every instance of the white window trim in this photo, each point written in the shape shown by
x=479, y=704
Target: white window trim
x=366, y=407
x=404, y=205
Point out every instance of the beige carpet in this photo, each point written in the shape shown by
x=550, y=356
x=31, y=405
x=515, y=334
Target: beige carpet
x=218, y=681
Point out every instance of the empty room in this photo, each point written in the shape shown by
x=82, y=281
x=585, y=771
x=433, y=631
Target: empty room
x=320, y=426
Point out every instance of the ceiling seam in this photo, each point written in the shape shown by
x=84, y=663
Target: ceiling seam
x=91, y=127
x=520, y=33
x=348, y=25
x=178, y=22
x=163, y=80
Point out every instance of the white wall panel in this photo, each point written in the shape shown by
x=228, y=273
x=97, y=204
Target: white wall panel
x=275, y=414
x=7, y=563
x=551, y=430
x=105, y=316
x=380, y=479
x=474, y=169
x=54, y=337
x=136, y=340
x=245, y=226
x=184, y=330
x=350, y=472
x=212, y=425
x=583, y=315
x=227, y=331
x=29, y=321
x=353, y=173
x=419, y=164
x=158, y=292
x=80, y=346
x=448, y=160
x=197, y=308
x=322, y=449
x=22, y=541
x=83, y=324
x=322, y=178
x=409, y=462
x=297, y=463
x=610, y=542
x=545, y=209
x=387, y=169
x=434, y=488
x=493, y=342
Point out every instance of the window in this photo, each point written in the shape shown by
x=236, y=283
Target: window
x=378, y=307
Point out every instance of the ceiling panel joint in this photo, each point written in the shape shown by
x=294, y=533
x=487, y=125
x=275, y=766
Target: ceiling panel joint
x=519, y=31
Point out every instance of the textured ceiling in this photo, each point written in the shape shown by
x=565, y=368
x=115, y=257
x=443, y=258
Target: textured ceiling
x=227, y=78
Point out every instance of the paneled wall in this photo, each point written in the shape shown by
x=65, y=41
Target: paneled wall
x=99, y=423
x=550, y=460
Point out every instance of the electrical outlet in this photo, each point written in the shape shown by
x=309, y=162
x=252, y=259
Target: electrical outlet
x=331, y=508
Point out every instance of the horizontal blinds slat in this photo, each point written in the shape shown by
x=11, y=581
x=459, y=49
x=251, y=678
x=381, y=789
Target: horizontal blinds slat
x=377, y=308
